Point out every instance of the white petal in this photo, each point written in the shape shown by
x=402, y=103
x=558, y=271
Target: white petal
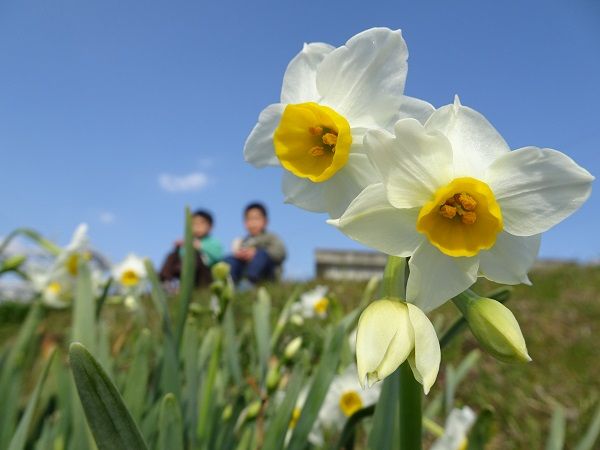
x=373, y=221
x=384, y=340
x=427, y=353
x=537, y=188
x=413, y=164
x=364, y=79
x=334, y=195
x=413, y=108
x=435, y=277
x=475, y=142
x=458, y=424
x=258, y=149
x=511, y=257
x=300, y=79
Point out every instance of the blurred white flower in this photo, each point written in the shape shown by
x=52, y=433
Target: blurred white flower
x=330, y=97
x=130, y=274
x=313, y=303
x=458, y=424
x=344, y=398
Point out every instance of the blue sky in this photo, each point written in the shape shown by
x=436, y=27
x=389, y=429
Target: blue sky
x=107, y=107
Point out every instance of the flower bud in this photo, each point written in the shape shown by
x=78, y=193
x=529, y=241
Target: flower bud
x=494, y=326
x=390, y=332
x=297, y=320
x=227, y=412
x=220, y=271
x=273, y=378
x=253, y=409
x=292, y=348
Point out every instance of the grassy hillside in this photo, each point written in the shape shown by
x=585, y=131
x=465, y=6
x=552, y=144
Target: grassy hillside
x=559, y=316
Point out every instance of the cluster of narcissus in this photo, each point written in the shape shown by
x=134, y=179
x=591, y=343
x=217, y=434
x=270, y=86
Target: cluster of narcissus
x=53, y=280
x=440, y=186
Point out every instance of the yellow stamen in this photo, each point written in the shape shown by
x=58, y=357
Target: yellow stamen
x=54, y=288
x=462, y=218
x=350, y=402
x=448, y=211
x=315, y=131
x=129, y=278
x=466, y=201
x=321, y=306
x=468, y=218
x=72, y=264
x=317, y=151
x=330, y=139
x=302, y=128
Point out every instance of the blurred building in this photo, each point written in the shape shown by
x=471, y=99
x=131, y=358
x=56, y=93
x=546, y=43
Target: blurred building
x=348, y=264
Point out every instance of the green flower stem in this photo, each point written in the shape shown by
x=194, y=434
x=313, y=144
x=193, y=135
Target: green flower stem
x=410, y=414
x=409, y=396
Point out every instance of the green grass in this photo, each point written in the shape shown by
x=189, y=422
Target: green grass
x=559, y=316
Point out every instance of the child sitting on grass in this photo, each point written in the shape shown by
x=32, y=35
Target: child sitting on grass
x=258, y=256
x=208, y=251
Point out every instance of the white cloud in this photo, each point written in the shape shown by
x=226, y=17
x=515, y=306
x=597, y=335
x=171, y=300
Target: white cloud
x=107, y=217
x=183, y=183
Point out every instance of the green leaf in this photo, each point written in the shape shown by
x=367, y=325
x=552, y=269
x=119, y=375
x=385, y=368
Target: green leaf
x=261, y=312
x=231, y=347
x=205, y=413
x=188, y=275
x=170, y=427
x=591, y=435
x=11, y=373
x=324, y=374
x=136, y=384
x=482, y=431
x=278, y=427
x=84, y=314
x=349, y=431
x=20, y=437
x=384, y=434
x=169, y=375
x=34, y=236
x=110, y=421
x=556, y=439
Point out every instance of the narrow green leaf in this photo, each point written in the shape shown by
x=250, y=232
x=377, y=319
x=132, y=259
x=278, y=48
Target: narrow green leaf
x=170, y=425
x=482, y=431
x=188, y=274
x=349, y=431
x=591, y=435
x=84, y=313
x=383, y=435
x=205, y=414
x=324, y=374
x=110, y=421
x=20, y=437
x=231, y=348
x=34, y=236
x=261, y=311
x=278, y=427
x=136, y=384
x=556, y=438
x=11, y=373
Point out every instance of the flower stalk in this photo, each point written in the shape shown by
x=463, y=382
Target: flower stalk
x=409, y=394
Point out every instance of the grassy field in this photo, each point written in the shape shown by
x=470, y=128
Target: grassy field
x=559, y=316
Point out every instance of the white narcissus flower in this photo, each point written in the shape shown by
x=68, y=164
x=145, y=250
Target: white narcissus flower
x=55, y=288
x=391, y=332
x=76, y=250
x=330, y=97
x=131, y=275
x=344, y=397
x=457, y=427
x=313, y=303
x=456, y=200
